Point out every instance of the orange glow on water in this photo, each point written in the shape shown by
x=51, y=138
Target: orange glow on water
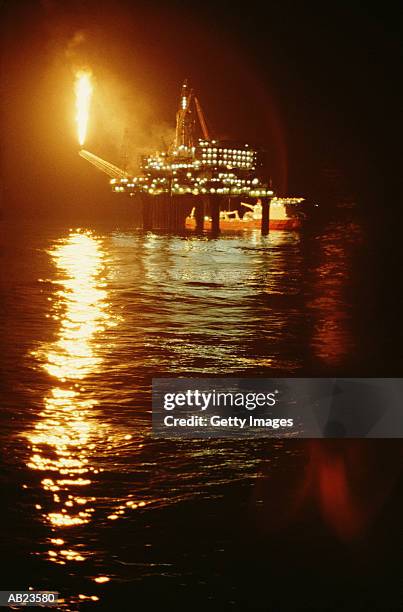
x=67, y=430
x=343, y=478
x=339, y=506
x=83, y=91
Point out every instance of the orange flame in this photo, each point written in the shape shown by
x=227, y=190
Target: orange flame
x=83, y=91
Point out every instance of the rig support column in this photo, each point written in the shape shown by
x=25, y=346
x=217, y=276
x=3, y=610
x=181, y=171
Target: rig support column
x=199, y=214
x=215, y=214
x=171, y=213
x=265, y=216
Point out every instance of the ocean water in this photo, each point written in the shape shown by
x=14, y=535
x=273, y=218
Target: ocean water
x=97, y=509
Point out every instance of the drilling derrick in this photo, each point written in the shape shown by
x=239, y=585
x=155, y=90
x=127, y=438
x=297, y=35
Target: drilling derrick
x=184, y=135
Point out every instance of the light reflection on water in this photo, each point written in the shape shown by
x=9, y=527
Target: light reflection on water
x=67, y=431
x=220, y=304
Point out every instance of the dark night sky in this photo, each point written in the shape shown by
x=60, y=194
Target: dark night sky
x=315, y=83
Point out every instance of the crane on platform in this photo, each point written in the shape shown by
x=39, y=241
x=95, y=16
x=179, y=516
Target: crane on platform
x=202, y=120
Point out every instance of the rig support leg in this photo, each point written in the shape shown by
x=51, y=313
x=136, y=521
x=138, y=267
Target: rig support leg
x=265, y=216
x=172, y=210
x=177, y=217
x=215, y=215
x=171, y=213
x=199, y=215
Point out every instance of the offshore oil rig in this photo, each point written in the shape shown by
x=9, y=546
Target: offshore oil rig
x=198, y=182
